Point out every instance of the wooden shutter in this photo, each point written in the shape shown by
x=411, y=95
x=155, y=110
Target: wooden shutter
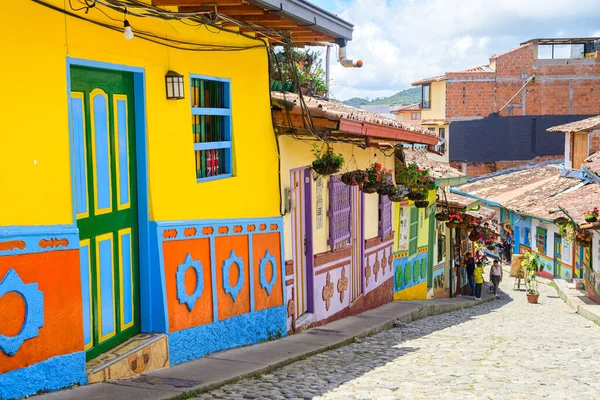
x=385, y=216
x=413, y=236
x=340, y=207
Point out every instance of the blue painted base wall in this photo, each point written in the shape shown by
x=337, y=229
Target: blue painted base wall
x=52, y=374
x=237, y=331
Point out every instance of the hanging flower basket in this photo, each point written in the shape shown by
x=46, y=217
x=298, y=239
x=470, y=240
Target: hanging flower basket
x=441, y=216
x=462, y=225
x=400, y=193
x=451, y=225
x=421, y=203
x=583, y=242
x=491, y=247
x=417, y=195
x=328, y=163
x=386, y=189
x=370, y=187
x=354, y=178
x=591, y=215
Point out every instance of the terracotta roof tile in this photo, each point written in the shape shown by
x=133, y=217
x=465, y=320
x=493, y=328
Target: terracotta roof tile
x=408, y=107
x=505, y=187
x=593, y=163
x=575, y=202
x=577, y=126
x=436, y=169
x=335, y=110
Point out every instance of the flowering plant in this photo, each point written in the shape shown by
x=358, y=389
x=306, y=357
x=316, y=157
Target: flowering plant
x=456, y=217
x=591, y=215
x=355, y=178
x=572, y=232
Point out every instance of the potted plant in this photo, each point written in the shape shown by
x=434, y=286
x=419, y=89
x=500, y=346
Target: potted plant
x=327, y=163
x=454, y=219
x=531, y=265
x=591, y=215
x=442, y=215
x=421, y=203
x=354, y=178
x=400, y=193
x=583, y=237
x=375, y=174
x=416, y=179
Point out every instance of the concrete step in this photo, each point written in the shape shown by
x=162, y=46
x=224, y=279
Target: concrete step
x=141, y=353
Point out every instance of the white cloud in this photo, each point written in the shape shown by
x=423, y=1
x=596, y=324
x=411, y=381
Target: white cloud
x=401, y=41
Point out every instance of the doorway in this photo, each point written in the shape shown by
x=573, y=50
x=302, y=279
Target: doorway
x=557, y=255
x=302, y=245
x=102, y=123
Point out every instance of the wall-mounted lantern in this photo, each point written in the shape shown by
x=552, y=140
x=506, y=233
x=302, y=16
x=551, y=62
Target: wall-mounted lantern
x=174, y=83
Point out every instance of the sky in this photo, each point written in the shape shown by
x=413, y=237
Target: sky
x=401, y=41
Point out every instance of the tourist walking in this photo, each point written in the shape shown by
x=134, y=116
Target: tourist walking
x=496, y=276
x=478, y=277
x=470, y=264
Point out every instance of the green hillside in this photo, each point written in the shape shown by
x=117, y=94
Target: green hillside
x=406, y=96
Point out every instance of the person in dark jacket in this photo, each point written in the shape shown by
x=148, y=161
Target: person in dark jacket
x=470, y=264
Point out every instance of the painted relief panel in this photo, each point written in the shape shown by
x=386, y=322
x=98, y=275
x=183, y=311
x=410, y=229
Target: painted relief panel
x=233, y=275
x=333, y=277
x=411, y=272
x=49, y=323
x=187, y=268
x=379, y=261
x=268, y=291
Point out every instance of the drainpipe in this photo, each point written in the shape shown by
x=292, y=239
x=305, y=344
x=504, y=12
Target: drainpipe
x=342, y=55
x=327, y=52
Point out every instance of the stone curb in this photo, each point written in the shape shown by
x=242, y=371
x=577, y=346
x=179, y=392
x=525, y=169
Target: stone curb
x=425, y=310
x=578, y=301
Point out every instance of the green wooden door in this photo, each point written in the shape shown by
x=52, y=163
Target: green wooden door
x=103, y=146
x=557, y=255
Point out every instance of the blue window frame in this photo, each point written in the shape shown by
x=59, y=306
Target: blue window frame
x=211, y=127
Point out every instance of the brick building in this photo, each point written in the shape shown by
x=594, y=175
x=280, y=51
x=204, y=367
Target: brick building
x=496, y=114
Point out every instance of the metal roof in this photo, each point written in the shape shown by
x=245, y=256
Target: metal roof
x=561, y=40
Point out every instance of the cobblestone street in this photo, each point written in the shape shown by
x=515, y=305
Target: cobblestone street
x=503, y=349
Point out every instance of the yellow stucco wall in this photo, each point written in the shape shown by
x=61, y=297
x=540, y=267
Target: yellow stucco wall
x=297, y=153
x=417, y=292
x=438, y=102
x=35, y=168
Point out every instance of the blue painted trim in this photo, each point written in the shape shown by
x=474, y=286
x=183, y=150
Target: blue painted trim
x=144, y=239
x=182, y=296
x=29, y=238
x=591, y=174
x=223, y=112
x=34, y=311
x=282, y=263
x=51, y=374
x=212, y=146
x=210, y=78
x=156, y=301
x=213, y=268
x=103, y=65
x=214, y=178
x=215, y=223
x=240, y=330
x=251, y=272
x=486, y=202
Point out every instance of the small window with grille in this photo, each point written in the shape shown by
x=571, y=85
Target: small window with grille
x=211, y=127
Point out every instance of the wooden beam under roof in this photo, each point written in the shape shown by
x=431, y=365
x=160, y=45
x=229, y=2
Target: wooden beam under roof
x=227, y=10
x=197, y=2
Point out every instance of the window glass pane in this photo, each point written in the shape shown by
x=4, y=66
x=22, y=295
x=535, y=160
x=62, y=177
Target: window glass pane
x=545, y=51
x=425, y=96
x=562, y=51
x=577, y=50
x=210, y=94
x=210, y=128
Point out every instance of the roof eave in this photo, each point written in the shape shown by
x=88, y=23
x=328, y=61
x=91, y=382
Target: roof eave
x=306, y=13
x=370, y=129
